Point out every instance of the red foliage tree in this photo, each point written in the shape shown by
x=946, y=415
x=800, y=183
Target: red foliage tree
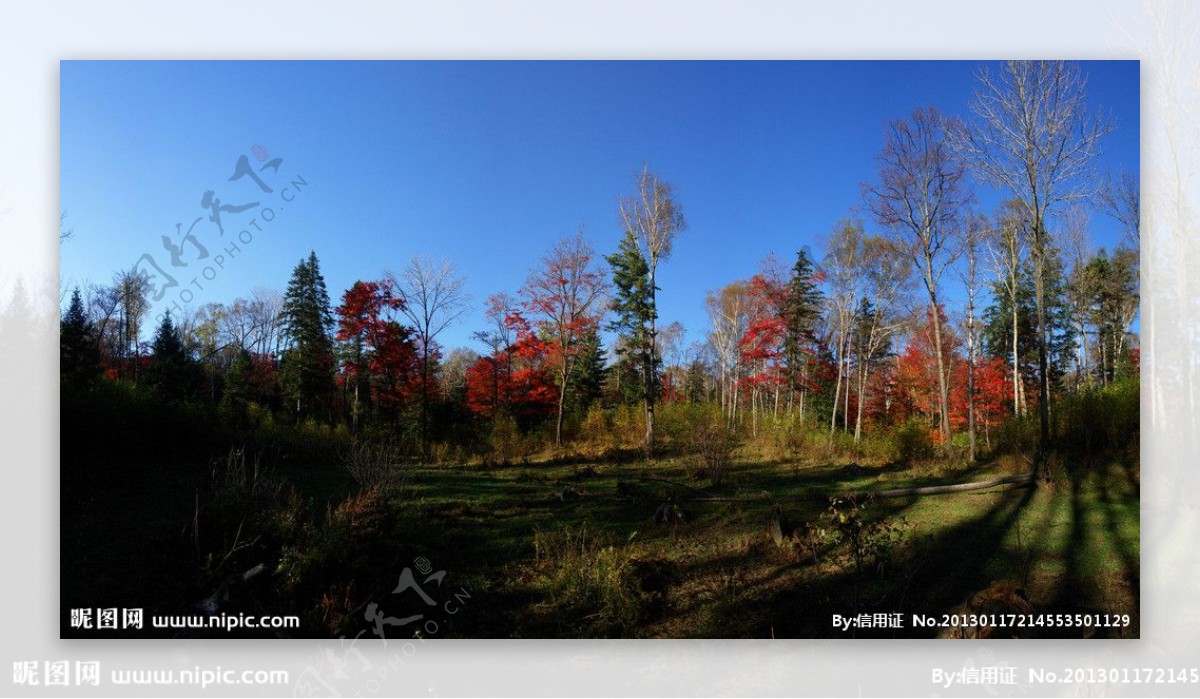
x=993, y=393
x=917, y=368
x=515, y=378
x=761, y=346
x=380, y=357
x=564, y=295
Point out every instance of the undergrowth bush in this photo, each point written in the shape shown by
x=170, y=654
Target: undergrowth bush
x=587, y=581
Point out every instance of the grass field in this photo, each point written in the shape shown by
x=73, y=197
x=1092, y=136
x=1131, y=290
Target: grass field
x=572, y=548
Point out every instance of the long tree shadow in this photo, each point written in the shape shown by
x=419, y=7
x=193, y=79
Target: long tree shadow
x=1098, y=557
x=942, y=572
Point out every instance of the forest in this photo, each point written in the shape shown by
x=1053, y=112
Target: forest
x=935, y=411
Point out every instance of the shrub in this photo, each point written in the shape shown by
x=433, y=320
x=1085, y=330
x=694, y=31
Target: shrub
x=374, y=464
x=596, y=432
x=870, y=544
x=714, y=442
x=628, y=426
x=590, y=584
x=913, y=442
x=505, y=440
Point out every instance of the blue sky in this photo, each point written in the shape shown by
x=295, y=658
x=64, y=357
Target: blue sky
x=488, y=163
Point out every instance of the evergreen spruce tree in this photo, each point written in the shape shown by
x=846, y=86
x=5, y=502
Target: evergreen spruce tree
x=174, y=374
x=634, y=309
x=801, y=308
x=308, y=361
x=79, y=353
x=588, y=374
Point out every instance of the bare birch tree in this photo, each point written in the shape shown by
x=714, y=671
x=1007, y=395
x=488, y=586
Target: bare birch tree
x=919, y=194
x=433, y=299
x=1030, y=134
x=654, y=218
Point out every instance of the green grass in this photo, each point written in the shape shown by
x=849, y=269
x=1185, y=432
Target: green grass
x=537, y=565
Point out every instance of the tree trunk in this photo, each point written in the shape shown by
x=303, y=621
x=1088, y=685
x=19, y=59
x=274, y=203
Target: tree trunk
x=943, y=386
x=562, y=400
x=971, y=359
x=1020, y=480
x=1018, y=402
x=837, y=391
x=1039, y=264
x=650, y=387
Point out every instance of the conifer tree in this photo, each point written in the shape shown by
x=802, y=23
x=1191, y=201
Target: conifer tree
x=308, y=361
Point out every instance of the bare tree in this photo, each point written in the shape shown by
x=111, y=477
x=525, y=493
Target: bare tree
x=672, y=351
x=920, y=192
x=1030, y=134
x=266, y=312
x=655, y=218
x=567, y=292
x=843, y=268
x=1007, y=249
x=64, y=233
x=977, y=232
x=433, y=298
x=886, y=272
x=1120, y=197
x=728, y=314
x=1074, y=225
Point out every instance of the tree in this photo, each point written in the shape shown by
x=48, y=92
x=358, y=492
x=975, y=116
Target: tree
x=761, y=345
x=1107, y=290
x=885, y=271
x=131, y=290
x=64, y=233
x=633, y=307
x=589, y=373
x=239, y=387
x=380, y=360
x=920, y=192
x=998, y=332
x=514, y=379
x=976, y=233
x=308, y=361
x=79, y=353
x=174, y=373
x=728, y=314
x=844, y=260
x=801, y=308
x=1007, y=250
x=654, y=219
x=433, y=298
x=1031, y=135
x=1120, y=197
x=565, y=294
x=918, y=369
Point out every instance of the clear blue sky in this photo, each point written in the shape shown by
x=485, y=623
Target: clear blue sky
x=488, y=163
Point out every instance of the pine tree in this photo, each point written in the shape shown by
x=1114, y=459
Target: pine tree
x=634, y=309
x=588, y=374
x=79, y=353
x=174, y=374
x=800, y=309
x=308, y=361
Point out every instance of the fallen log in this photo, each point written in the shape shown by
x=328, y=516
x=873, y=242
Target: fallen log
x=1014, y=481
